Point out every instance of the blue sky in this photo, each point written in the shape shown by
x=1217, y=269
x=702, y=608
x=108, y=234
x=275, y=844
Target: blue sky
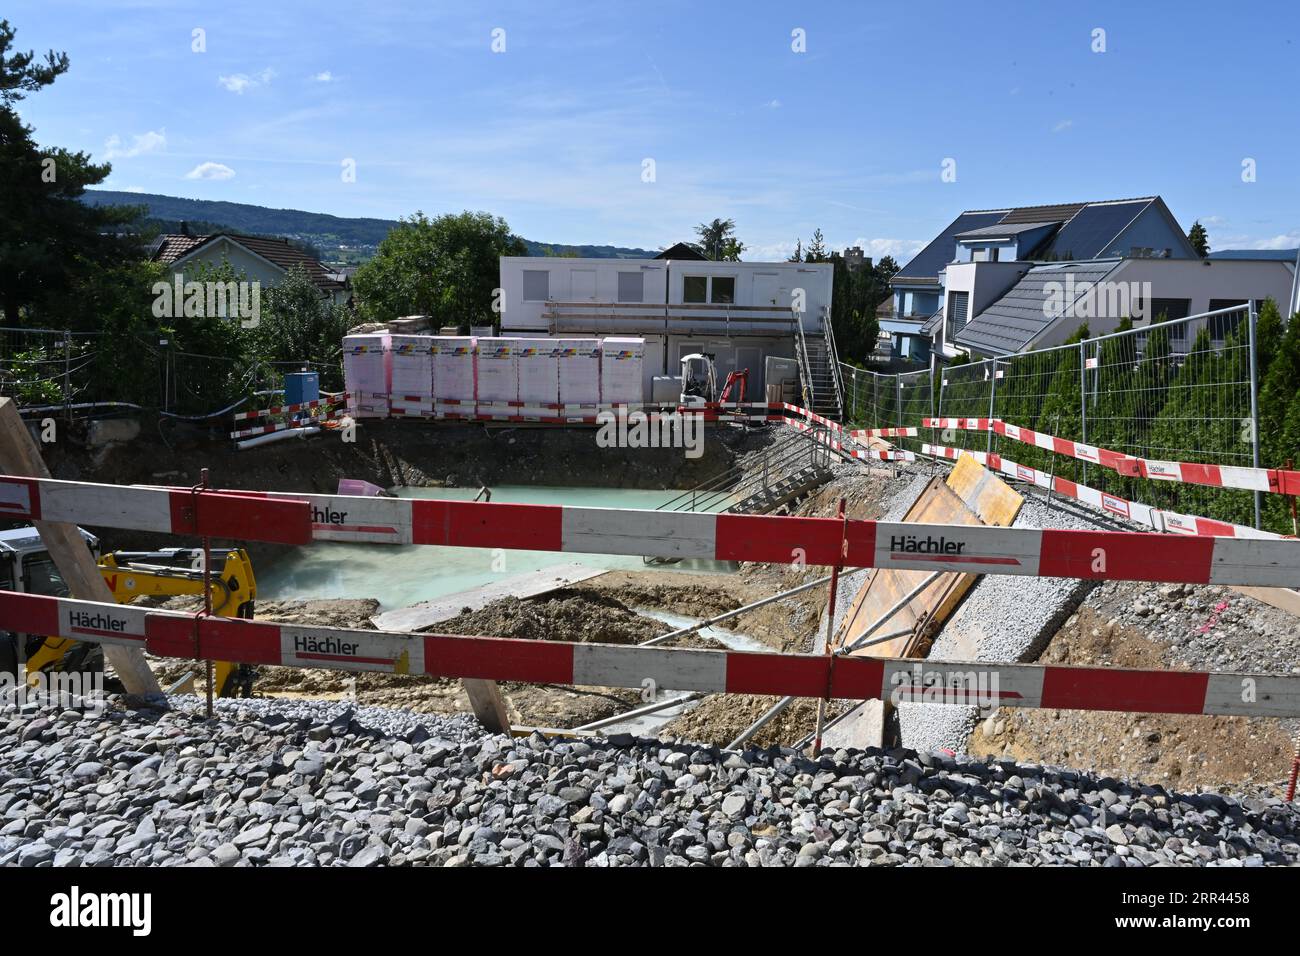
x=553, y=132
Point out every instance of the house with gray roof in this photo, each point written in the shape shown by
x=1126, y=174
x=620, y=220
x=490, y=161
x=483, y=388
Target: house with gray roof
x=1040, y=305
x=1006, y=243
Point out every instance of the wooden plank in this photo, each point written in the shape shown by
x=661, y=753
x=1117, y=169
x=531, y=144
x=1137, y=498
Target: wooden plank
x=485, y=700
x=19, y=455
x=1284, y=599
x=971, y=495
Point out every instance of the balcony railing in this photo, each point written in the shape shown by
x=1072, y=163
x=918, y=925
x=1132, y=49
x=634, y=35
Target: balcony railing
x=680, y=318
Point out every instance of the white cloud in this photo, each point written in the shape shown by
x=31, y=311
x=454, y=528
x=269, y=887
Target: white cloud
x=1288, y=240
x=141, y=143
x=324, y=76
x=772, y=105
x=901, y=249
x=772, y=252
x=1062, y=126
x=211, y=171
x=241, y=83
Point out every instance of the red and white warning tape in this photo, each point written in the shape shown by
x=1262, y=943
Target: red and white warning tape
x=337, y=399
x=1154, y=518
x=869, y=454
x=296, y=518
x=884, y=433
x=1276, y=480
x=330, y=414
x=176, y=634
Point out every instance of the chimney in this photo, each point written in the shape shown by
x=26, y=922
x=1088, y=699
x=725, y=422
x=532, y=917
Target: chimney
x=185, y=228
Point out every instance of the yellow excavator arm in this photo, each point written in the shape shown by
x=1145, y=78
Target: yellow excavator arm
x=170, y=573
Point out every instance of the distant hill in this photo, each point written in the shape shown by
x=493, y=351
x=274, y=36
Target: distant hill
x=340, y=240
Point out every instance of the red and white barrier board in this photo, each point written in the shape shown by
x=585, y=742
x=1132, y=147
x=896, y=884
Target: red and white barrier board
x=170, y=510
x=176, y=634
x=1154, y=518
x=1276, y=480
x=294, y=519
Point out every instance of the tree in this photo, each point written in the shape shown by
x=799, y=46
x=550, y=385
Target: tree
x=1199, y=238
x=816, y=248
x=854, y=298
x=298, y=324
x=718, y=240
x=49, y=239
x=798, y=252
x=886, y=269
x=446, y=268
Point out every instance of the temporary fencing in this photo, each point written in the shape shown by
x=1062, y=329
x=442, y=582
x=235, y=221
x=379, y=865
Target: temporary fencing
x=1182, y=391
x=293, y=518
x=178, y=634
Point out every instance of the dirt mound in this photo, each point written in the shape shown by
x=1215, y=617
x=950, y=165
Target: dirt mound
x=689, y=600
x=1181, y=750
x=590, y=617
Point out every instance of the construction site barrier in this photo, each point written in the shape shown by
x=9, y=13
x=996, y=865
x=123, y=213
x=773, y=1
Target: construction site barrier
x=868, y=454
x=293, y=518
x=883, y=433
x=203, y=513
x=1154, y=518
x=338, y=399
x=178, y=634
x=1275, y=480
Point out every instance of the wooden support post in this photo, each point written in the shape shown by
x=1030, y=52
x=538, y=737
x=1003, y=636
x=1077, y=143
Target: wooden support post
x=489, y=708
x=19, y=455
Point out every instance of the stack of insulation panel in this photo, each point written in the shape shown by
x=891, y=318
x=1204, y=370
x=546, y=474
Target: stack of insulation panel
x=539, y=377
x=453, y=375
x=367, y=374
x=622, y=361
x=578, y=362
x=497, y=373
x=412, y=375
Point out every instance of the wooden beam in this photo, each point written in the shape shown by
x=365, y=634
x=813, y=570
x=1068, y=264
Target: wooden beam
x=1284, y=599
x=19, y=455
x=485, y=700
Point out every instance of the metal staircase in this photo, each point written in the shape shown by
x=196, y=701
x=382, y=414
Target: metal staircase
x=819, y=371
x=793, y=465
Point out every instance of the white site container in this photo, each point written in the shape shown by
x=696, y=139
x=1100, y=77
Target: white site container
x=412, y=363
x=578, y=362
x=453, y=368
x=622, y=361
x=367, y=373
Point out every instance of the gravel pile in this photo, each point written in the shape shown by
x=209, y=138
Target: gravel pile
x=172, y=789
x=386, y=721
x=1206, y=628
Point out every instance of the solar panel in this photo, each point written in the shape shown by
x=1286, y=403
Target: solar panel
x=1089, y=234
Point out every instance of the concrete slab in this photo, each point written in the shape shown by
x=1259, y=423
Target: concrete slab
x=863, y=727
x=530, y=584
